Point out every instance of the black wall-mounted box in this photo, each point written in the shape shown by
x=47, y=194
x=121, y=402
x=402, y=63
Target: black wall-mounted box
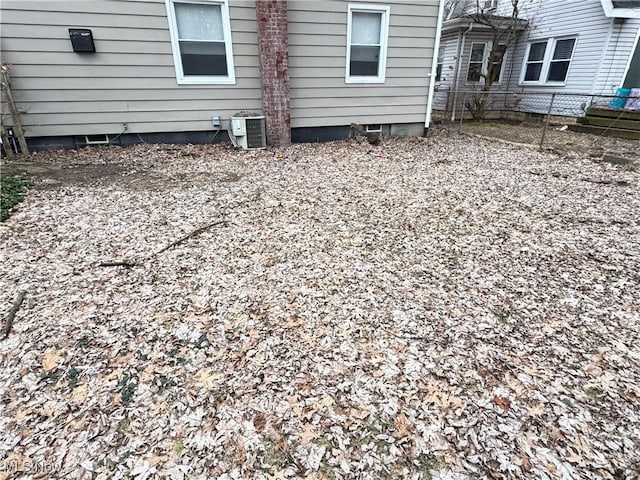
x=82, y=40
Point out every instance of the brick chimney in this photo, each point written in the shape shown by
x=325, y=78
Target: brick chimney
x=273, y=47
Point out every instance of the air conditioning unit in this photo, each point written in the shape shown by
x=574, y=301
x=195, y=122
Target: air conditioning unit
x=248, y=131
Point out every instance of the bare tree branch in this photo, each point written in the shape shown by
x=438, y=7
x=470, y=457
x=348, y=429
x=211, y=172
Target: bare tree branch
x=504, y=33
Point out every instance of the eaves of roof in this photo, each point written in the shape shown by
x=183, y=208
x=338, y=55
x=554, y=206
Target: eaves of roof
x=621, y=8
x=462, y=23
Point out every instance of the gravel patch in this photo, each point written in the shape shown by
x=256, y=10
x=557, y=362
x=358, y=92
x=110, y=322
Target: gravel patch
x=446, y=308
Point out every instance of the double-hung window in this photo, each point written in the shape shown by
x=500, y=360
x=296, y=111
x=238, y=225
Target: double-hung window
x=535, y=61
x=367, y=34
x=561, y=59
x=495, y=68
x=201, y=40
x=440, y=64
x=479, y=62
x=548, y=61
x=476, y=61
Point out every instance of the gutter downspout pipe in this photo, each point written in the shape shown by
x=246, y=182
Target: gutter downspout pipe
x=457, y=72
x=434, y=65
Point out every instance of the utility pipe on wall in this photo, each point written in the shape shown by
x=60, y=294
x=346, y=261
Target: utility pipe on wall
x=457, y=72
x=434, y=63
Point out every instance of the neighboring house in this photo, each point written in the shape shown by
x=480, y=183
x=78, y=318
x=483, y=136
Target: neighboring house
x=464, y=52
x=585, y=47
x=163, y=68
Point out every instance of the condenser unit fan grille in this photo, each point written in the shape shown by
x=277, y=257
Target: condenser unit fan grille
x=255, y=133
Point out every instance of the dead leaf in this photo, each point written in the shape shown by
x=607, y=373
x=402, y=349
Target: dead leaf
x=11, y=465
x=536, y=409
x=307, y=434
x=50, y=361
x=359, y=413
x=153, y=459
x=575, y=458
x=503, y=402
x=259, y=421
x=208, y=378
x=371, y=285
x=401, y=424
x=22, y=414
x=79, y=394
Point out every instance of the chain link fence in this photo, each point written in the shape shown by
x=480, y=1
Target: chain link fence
x=603, y=115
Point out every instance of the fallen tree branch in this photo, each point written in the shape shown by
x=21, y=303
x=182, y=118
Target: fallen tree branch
x=595, y=258
x=618, y=183
x=133, y=263
x=500, y=140
x=12, y=314
x=584, y=220
x=598, y=181
x=118, y=263
x=189, y=235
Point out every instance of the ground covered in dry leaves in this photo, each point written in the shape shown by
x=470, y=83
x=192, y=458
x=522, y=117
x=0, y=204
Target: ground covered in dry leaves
x=557, y=138
x=444, y=308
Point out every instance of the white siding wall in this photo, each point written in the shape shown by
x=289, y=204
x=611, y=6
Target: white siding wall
x=317, y=62
x=450, y=43
x=131, y=79
x=618, y=51
x=478, y=36
x=505, y=7
x=451, y=59
x=598, y=63
x=601, y=55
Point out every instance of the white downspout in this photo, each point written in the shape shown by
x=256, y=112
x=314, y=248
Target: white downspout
x=434, y=64
x=457, y=73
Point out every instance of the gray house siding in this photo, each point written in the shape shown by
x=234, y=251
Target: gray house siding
x=131, y=79
x=317, y=62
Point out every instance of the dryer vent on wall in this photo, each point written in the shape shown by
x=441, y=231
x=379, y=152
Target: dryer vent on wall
x=82, y=40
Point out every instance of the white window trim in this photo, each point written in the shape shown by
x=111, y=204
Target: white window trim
x=493, y=4
x=183, y=79
x=546, y=61
x=611, y=11
x=504, y=58
x=488, y=46
x=440, y=63
x=482, y=66
x=384, y=40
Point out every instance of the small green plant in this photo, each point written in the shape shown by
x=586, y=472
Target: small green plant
x=277, y=455
x=426, y=463
x=13, y=190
